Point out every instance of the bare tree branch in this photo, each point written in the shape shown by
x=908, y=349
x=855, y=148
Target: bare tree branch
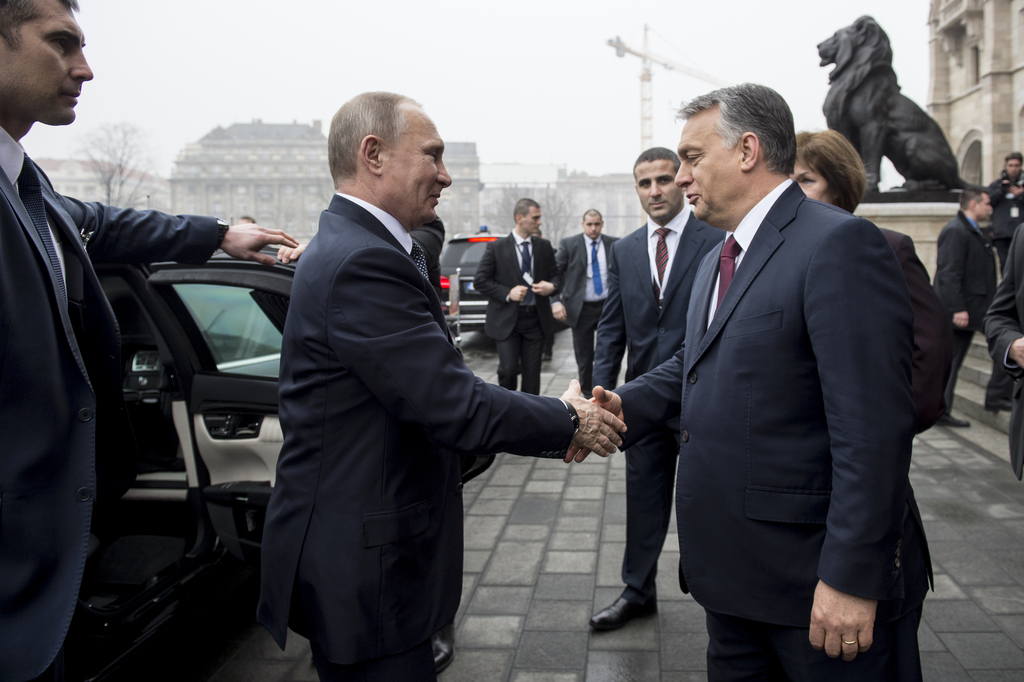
x=120, y=162
x=556, y=207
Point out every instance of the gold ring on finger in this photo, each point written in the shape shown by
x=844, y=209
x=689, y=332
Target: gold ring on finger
x=853, y=642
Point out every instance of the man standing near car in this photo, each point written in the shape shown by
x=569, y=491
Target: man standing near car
x=362, y=545
x=67, y=440
x=1007, y=197
x=582, y=262
x=518, y=275
x=650, y=274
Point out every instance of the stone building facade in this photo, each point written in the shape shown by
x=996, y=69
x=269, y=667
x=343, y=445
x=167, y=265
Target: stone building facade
x=977, y=81
x=276, y=173
x=459, y=207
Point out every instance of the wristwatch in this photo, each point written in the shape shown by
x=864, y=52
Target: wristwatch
x=222, y=231
x=573, y=415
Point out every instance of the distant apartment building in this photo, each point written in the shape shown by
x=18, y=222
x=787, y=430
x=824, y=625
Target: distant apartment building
x=563, y=197
x=81, y=180
x=459, y=207
x=274, y=172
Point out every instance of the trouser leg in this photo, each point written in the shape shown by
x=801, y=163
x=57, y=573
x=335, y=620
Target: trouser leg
x=508, y=361
x=414, y=665
x=650, y=482
x=583, y=343
x=532, y=334
x=961, y=344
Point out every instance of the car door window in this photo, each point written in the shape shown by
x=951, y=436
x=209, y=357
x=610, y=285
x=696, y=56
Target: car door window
x=240, y=336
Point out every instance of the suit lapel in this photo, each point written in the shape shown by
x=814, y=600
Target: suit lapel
x=766, y=240
x=697, y=318
x=686, y=252
x=642, y=265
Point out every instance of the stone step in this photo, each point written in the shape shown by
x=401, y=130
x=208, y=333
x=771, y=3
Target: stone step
x=976, y=371
x=979, y=348
x=969, y=401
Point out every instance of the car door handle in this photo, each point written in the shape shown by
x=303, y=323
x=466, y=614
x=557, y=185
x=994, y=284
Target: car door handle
x=233, y=426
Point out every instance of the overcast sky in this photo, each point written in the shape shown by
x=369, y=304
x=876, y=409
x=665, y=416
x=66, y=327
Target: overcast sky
x=529, y=82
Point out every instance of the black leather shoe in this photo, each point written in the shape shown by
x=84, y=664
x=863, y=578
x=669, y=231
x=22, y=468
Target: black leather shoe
x=620, y=613
x=950, y=420
x=443, y=643
x=995, y=406
x=545, y=357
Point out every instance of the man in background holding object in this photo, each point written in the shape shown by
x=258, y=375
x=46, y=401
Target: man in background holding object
x=1007, y=197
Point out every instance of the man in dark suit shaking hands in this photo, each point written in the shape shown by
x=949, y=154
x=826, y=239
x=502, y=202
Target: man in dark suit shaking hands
x=798, y=529
x=650, y=274
x=582, y=262
x=362, y=546
x=518, y=275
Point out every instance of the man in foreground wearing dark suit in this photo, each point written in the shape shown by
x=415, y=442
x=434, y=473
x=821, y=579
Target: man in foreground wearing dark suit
x=582, y=262
x=518, y=275
x=362, y=546
x=67, y=440
x=798, y=529
x=1005, y=333
x=646, y=312
x=965, y=280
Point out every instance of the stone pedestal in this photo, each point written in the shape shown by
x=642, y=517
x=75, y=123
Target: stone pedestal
x=921, y=220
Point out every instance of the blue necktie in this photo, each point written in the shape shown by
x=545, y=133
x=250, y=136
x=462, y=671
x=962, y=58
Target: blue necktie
x=527, y=268
x=596, y=268
x=32, y=198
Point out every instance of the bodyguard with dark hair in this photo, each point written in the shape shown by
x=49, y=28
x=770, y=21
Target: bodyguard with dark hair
x=67, y=440
x=1007, y=197
x=650, y=273
x=792, y=496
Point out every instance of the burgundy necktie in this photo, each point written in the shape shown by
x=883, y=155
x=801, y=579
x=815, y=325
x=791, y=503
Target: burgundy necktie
x=726, y=267
x=660, y=261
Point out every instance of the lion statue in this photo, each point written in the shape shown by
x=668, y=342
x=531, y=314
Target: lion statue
x=865, y=105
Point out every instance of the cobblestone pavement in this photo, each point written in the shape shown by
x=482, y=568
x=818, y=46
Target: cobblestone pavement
x=544, y=545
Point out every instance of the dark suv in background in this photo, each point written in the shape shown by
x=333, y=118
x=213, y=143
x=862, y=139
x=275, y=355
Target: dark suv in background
x=464, y=251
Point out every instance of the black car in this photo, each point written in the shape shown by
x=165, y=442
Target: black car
x=463, y=252
x=201, y=347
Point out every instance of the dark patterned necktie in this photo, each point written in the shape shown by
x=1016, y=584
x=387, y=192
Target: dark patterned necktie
x=727, y=267
x=32, y=198
x=420, y=260
x=528, y=268
x=660, y=261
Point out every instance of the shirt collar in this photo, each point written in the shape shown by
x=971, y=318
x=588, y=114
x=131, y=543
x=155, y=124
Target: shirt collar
x=519, y=240
x=972, y=221
x=12, y=157
x=675, y=225
x=387, y=220
x=747, y=228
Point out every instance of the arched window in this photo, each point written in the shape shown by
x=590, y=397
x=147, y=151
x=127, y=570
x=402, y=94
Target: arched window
x=969, y=155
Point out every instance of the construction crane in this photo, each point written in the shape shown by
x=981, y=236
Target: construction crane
x=646, y=117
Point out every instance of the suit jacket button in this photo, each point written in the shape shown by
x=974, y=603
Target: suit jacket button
x=83, y=494
x=84, y=414
x=685, y=435
x=458, y=489
x=693, y=377
x=896, y=563
x=661, y=331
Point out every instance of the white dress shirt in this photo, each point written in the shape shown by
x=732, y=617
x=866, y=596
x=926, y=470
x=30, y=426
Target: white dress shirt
x=675, y=234
x=12, y=157
x=387, y=220
x=602, y=262
x=744, y=235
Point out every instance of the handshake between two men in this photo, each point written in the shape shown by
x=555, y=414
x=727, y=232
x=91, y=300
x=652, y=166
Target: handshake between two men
x=600, y=423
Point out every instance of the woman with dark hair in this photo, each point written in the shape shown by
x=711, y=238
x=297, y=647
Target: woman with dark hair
x=829, y=169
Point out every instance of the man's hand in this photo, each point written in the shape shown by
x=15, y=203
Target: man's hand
x=287, y=254
x=599, y=429
x=606, y=400
x=961, y=319
x=543, y=288
x=1015, y=190
x=518, y=293
x=1017, y=351
x=841, y=623
x=558, y=310
x=246, y=241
